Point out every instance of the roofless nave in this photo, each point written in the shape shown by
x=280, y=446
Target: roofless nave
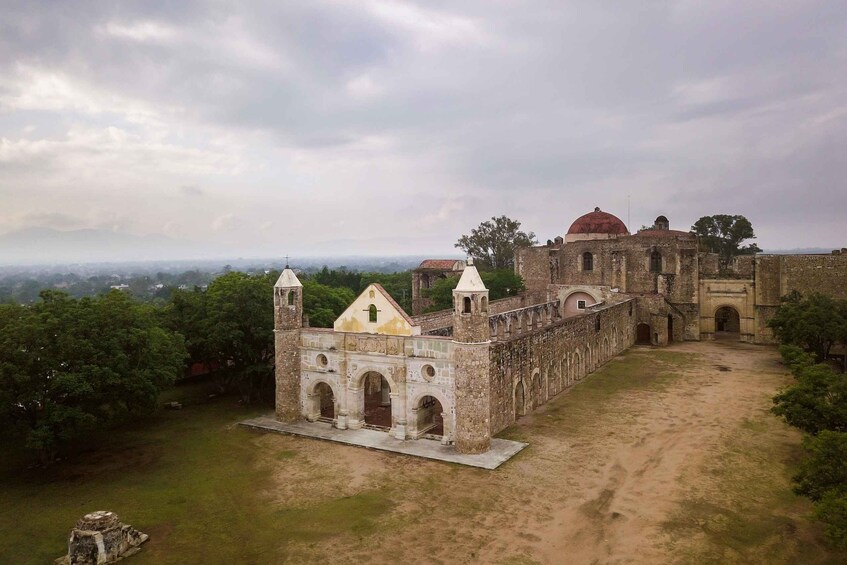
x=465, y=374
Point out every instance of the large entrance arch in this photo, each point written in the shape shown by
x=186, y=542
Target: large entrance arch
x=377, y=405
x=727, y=323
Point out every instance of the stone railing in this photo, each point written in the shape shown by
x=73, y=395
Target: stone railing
x=507, y=325
x=441, y=322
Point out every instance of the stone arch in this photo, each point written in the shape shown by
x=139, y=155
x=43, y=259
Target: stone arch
x=519, y=399
x=570, y=299
x=359, y=375
x=315, y=408
x=446, y=408
x=536, y=388
x=727, y=321
x=606, y=351
x=377, y=409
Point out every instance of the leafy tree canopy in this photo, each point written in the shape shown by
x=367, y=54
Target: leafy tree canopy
x=823, y=478
x=68, y=366
x=492, y=244
x=816, y=401
x=815, y=322
x=723, y=234
x=500, y=284
x=323, y=304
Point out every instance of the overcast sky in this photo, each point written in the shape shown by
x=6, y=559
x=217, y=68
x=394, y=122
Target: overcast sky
x=394, y=127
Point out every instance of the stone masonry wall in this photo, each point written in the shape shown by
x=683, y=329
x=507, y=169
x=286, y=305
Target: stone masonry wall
x=778, y=275
x=287, y=343
x=473, y=397
x=533, y=264
x=527, y=371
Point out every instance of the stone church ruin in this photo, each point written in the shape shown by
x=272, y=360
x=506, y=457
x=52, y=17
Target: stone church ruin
x=463, y=375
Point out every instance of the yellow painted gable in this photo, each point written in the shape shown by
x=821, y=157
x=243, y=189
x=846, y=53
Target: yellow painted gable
x=390, y=318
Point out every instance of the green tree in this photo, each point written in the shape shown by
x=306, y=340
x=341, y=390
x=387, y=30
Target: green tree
x=187, y=312
x=323, y=304
x=500, y=284
x=68, y=366
x=815, y=322
x=823, y=478
x=240, y=323
x=817, y=401
x=493, y=243
x=398, y=285
x=723, y=234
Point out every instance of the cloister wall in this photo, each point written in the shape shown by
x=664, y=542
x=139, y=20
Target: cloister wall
x=537, y=365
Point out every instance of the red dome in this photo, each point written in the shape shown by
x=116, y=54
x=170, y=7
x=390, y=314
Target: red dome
x=598, y=222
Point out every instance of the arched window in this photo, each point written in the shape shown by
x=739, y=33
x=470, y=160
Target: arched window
x=587, y=261
x=655, y=262
x=291, y=298
x=372, y=313
x=467, y=305
x=484, y=304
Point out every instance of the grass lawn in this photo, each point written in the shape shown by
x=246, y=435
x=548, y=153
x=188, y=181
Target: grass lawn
x=190, y=478
x=600, y=457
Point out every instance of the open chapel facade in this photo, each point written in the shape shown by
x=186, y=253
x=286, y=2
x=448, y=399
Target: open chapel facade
x=463, y=375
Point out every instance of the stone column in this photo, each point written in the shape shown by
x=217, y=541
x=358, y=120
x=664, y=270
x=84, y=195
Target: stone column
x=355, y=407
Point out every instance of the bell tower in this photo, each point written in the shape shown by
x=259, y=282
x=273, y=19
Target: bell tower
x=288, y=319
x=471, y=343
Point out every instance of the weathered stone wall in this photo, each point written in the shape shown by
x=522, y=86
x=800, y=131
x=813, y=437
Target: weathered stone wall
x=826, y=274
x=768, y=280
x=778, y=275
x=740, y=267
x=527, y=371
x=534, y=265
x=625, y=263
x=287, y=354
x=473, y=397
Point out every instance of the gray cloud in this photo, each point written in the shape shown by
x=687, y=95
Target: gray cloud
x=362, y=120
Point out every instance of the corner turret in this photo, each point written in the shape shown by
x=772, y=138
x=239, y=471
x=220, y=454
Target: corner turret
x=288, y=301
x=470, y=308
x=471, y=344
x=288, y=319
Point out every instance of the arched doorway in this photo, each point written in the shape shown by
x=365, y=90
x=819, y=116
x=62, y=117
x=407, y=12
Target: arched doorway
x=377, y=409
x=727, y=323
x=642, y=334
x=537, y=390
x=430, y=419
x=326, y=402
x=520, y=400
x=670, y=328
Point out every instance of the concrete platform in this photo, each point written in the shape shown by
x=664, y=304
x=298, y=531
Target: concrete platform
x=501, y=449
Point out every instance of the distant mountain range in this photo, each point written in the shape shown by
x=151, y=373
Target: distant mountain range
x=46, y=245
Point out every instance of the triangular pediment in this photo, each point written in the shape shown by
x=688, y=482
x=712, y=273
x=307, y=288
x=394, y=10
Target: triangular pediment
x=375, y=312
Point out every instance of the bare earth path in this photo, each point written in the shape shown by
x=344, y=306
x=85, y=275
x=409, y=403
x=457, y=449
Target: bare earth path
x=662, y=456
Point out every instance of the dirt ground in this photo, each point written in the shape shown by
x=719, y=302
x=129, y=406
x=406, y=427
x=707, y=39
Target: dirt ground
x=662, y=456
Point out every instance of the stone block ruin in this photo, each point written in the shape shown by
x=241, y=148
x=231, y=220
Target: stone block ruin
x=100, y=537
